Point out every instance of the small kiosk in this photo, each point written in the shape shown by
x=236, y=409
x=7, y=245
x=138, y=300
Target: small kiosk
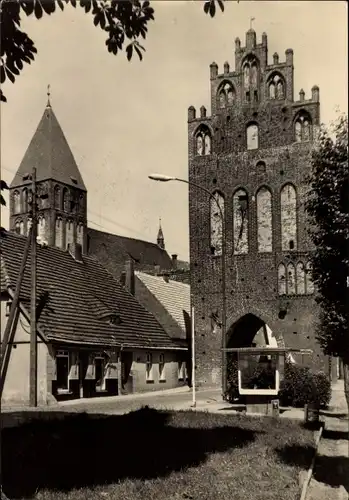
x=259, y=372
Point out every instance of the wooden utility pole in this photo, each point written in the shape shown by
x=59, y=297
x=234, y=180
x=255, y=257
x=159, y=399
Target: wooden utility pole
x=33, y=399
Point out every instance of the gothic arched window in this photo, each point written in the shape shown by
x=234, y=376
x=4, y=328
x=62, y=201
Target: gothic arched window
x=69, y=235
x=25, y=200
x=291, y=279
x=203, y=141
x=302, y=127
x=81, y=204
x=16, y=202
x=300, y=276
x=80, y=234
x=66, y=200
x=252, y=136
x=309, y=285
x=57, y=196
x=250, y=78
x=288, y=200
x=41, y=227
x=276, y=87
x=226, y=93
x=282, y=279
x=240, y=222
x=216, y=223
x=264, y=220
x=59, y=232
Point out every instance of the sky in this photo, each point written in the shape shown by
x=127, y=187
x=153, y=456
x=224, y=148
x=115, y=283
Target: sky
x=125, y=120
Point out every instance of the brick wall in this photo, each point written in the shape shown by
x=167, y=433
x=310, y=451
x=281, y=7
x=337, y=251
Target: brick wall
x=251, y=278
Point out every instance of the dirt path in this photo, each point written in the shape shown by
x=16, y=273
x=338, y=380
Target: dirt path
x=330, y=479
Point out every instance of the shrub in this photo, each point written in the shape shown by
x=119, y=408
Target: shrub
x=301, y=386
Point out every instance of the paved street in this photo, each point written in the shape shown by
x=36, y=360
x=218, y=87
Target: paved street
x=123, y=404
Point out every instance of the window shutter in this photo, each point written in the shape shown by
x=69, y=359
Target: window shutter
x=91, y=372
x=112, y=366
x=74, y=366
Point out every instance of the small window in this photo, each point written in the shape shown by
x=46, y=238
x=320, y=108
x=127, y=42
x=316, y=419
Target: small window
x=248, y=97
x=162, y=374
x=255, y=96
x=252, y=136
x=62, y=368
x=261, y=167
x=149, y=368
x=100, y=372
x=291, y=244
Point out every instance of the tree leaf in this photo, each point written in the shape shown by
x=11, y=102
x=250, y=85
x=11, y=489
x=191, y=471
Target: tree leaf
x=140, y=55
x=2, y=97
x=2, y=74
x=221, y=4
x=3, y=184
x=38, y=10
x=10, y=75
x=129, y=51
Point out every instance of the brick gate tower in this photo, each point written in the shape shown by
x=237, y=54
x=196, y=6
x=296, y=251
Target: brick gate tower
x=253, y=155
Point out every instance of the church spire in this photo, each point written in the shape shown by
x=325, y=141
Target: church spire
x=160, y=238
x=48, y=105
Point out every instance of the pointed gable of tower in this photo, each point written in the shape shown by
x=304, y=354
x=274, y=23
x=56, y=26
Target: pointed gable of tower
x=50, y=153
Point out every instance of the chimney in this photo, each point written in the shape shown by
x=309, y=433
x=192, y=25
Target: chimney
x=174, y=261
x=130, y=276
x=75, y=251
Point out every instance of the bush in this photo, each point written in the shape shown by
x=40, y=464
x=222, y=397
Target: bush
x=301, y=386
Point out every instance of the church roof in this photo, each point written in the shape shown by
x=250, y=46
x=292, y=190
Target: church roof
x=113, y=250
x=79, y=296
x=50, y=153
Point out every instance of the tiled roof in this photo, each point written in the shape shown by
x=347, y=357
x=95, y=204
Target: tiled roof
x=80, y=294
x=50, y=153
x=113, y=250
x=172, y=295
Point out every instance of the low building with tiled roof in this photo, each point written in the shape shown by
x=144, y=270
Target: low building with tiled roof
x=95, y=336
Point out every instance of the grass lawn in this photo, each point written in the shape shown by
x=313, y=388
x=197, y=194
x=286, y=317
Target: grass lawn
x=155, y=455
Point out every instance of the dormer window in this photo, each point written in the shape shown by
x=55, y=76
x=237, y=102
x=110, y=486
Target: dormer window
x=114, y=319
x=73, y=179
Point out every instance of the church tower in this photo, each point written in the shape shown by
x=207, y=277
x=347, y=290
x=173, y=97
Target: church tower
x=253, y=153
x=62, y=195
x=160, y=239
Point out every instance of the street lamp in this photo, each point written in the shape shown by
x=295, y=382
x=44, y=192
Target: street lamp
x=167, y=178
